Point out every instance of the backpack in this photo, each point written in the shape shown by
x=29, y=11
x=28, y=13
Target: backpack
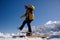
x=31, y=16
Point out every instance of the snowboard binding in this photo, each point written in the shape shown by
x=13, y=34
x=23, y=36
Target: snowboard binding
x=28, y=34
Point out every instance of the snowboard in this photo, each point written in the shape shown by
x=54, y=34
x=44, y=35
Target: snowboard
x=21, y=36
x=36, y=36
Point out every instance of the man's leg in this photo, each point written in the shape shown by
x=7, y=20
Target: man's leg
x=23, y=25
x=29, y=33
x=29, y=26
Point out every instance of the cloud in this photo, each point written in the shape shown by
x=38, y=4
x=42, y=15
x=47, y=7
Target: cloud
x=48, y=27
x=1, y=34
x=49, y=22
x=54, y=24
x=4, y=35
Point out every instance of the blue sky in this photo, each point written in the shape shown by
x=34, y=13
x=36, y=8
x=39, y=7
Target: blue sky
x=11, y=10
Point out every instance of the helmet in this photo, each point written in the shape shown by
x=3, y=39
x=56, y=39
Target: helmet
x=31, y=7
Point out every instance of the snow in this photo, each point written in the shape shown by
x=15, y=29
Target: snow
x=8, y=36
x=29, y=38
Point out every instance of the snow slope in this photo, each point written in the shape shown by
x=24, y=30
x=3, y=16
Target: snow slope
x=25, y=38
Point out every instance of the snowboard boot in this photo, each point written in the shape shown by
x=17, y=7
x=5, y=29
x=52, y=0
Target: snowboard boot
x=28, y=34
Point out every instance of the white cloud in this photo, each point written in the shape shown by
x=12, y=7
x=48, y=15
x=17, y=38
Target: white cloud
x=52, y=22
x=1, y=34
x=49, y=22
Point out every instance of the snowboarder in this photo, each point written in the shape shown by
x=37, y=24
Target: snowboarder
x=29, y=18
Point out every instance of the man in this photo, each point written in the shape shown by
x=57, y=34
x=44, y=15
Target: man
x=29, y=18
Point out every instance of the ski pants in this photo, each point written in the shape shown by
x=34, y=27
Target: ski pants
x=28, y=24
